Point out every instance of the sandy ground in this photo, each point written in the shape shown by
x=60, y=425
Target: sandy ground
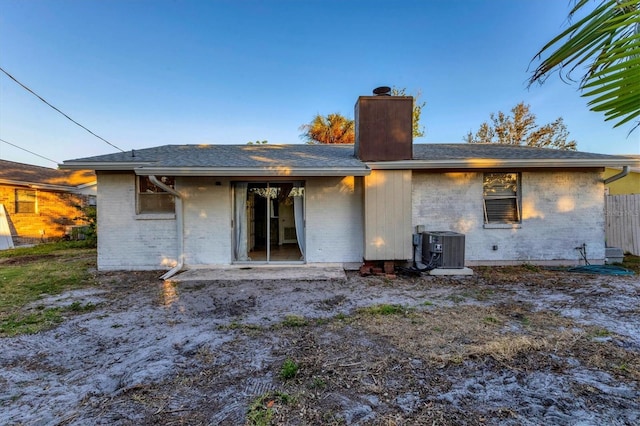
x=503, y=347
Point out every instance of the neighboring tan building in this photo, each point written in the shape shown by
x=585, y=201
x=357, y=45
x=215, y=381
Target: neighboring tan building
x=630, y=184
x=40, y=204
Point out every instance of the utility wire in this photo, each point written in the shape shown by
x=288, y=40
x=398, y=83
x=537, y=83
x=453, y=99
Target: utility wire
x=68, y=118
x=26, y=150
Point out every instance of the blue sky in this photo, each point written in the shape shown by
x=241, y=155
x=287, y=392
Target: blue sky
x=149, y=73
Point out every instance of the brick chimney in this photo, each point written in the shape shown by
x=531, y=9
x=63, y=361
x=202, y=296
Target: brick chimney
x=384, y=127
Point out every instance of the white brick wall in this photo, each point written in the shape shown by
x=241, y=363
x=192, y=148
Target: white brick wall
x=207, y=219
x=560, y=211
x=334, y=219
x=125, y=240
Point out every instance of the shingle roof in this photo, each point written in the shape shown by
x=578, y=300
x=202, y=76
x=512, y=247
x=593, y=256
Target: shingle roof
x=464, y=151
x=192, y=159
x=235, y=156
x=28, y=173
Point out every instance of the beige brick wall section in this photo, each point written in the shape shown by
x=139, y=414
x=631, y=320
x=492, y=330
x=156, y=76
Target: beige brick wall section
x=560, y=211
x=55, y=211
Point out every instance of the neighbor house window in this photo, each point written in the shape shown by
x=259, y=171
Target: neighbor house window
x=501, y=197
x=26, y=201
x=153, y=199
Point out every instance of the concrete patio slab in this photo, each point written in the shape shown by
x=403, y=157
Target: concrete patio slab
x=323, y=272
x=455, y=272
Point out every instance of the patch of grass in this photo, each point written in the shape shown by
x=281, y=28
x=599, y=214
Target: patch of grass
x=428, y=303
x=44, y=249
x=491, y=320
x=294, y=321
x=28, y=274
x=631, y=262
x=79, y=307
x=600, y=332
x=383, y=309
x=456, y=298
x=318, y=383
x=289, y=369
x=530, y=267
x=42, y=319
x=260, y=412
x=34, y=322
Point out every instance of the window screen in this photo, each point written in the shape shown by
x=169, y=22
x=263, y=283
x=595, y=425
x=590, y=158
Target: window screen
x=153, y=199
x=501, y=197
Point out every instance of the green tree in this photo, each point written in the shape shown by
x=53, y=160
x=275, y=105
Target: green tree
x=417, y=131
x=257, y=142
x=334, y=128
x=521, y=129
x=604, y=47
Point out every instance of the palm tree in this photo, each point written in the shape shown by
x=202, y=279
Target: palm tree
x=607, y=42
x=334, y=128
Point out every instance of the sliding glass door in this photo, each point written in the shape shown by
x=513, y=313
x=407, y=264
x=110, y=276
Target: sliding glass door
x=269, y=222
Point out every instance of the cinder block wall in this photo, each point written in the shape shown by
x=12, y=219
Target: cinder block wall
x=560, y=211
x=127, y=241
x=334, y=218
x=207, y=218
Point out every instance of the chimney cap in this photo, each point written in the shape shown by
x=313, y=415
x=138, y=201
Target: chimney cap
x=382, y=91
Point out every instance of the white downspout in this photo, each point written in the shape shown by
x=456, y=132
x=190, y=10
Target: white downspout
x=623, y=173
x=179, y=225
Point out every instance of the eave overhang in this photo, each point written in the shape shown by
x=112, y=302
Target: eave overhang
x=36, y=185
x=490, y=163
x=252, y=171
x=102, y=166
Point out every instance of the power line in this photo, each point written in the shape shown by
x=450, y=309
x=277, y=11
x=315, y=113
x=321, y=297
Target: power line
x=68, y=118
x=26, y=150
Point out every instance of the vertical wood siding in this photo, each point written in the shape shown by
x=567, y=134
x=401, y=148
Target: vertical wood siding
x=623, y=222
x=387, y=212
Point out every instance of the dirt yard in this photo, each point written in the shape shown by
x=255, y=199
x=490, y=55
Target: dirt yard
x=507, y=346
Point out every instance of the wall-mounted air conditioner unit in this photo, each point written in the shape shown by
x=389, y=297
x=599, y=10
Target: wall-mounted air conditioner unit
x=443, y=249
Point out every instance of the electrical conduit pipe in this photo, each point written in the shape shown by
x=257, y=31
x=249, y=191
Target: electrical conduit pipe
x=179, y=225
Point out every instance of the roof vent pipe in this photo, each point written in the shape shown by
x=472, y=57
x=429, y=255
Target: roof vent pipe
x=382, y=91
x=623, y=173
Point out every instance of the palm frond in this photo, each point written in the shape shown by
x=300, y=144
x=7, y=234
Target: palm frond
x=607, y=42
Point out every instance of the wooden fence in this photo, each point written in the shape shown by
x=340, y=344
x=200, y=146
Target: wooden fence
x=623, y=222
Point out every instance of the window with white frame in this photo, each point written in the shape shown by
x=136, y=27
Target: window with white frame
x=501, y=193
x=26, y=201
x=153, y=199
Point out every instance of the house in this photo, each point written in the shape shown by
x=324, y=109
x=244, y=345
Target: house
x=191, y=206
x=629, y=184
x=39, y=204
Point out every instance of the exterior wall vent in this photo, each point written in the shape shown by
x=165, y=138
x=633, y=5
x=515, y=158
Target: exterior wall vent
x=444, y=248
x=384, y=127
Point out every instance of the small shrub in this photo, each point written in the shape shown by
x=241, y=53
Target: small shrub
x=317, y=383
x=289, y=369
